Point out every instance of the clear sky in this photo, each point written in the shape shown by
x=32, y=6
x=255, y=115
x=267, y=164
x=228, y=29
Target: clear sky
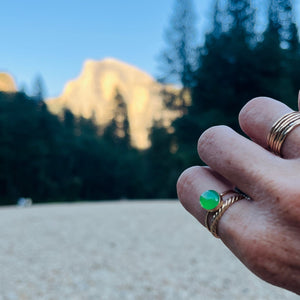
x=54, y=38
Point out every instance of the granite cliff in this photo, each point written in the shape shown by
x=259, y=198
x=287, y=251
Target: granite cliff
x=7, y=83
x=92, y=94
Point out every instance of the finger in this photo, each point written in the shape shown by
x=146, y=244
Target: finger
x=257, y=118
x=193, y=182
x=239, y=160
x=246, y=227
x=238, y=218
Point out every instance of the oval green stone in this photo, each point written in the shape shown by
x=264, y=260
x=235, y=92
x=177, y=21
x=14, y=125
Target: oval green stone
x=210, y=199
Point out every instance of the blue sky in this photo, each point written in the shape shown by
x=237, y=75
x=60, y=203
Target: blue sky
x=54, y=38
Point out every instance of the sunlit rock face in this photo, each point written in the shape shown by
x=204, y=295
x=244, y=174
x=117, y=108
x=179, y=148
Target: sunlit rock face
x=93, y=93
x=7, y=83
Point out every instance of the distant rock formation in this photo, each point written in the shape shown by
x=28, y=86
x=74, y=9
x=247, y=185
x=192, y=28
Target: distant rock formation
x=92, y=94
x=7, y=83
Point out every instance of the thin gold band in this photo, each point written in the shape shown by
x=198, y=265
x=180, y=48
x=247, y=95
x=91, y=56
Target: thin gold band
x=212, y=218
x=219, y=213
x=280, y=131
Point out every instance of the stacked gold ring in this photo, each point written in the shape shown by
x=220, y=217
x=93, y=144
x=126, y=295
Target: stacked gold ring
x=280, y=130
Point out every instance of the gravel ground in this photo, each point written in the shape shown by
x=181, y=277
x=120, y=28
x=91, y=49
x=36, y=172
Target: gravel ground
x=119, y=250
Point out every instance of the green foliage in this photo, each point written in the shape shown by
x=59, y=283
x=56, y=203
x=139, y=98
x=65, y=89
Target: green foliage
x=234, y=67
x=65, y=159
x=177, y=61
x=49, y=159
x=38, y=89
x=117, y=131
x=162, y=164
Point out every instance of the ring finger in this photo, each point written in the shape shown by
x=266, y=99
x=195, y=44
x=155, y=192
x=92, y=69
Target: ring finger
x=242, y=222
x=196, y=180
x=248, y=228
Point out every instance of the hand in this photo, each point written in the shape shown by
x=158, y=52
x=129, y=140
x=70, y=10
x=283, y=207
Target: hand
x=263, y=233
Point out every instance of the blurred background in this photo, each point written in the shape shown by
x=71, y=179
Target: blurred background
x=105, y=100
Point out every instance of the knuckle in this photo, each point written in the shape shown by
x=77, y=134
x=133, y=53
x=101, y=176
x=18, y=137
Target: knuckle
x=254, y=104
x=209, y=136
x=251, y=109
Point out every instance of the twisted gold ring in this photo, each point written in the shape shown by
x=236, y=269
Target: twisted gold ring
x=215, y=205
x=213, y=228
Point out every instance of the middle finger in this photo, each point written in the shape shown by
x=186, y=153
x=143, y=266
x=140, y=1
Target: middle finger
x=257, y=118
x=239, y=160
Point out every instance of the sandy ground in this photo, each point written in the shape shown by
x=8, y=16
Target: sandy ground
x=119, y=250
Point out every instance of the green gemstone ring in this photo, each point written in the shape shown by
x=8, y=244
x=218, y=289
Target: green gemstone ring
x=211, y=200
x=215, y=206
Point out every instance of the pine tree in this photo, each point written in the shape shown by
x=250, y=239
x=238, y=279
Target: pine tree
x=278, y=55
x=242, y=15
x=217, y=21
x=163, y=166
x=121, y=117
x=39, y=89
x=269, y=55
x=291, y=53
x=177, y=61
x=118, y=131
x=224, y=76
x=287, y=28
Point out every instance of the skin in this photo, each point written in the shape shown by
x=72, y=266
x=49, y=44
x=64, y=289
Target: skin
x=263, y=233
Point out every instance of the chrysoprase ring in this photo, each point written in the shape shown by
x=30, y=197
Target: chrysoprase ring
x=211, y=200
x=216, y=205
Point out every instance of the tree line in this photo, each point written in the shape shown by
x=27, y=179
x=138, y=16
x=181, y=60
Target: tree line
x=235, y=64
x=51, y=158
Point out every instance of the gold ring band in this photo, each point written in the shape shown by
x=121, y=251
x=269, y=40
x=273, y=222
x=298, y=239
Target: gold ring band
x=280, y=130
x=212, y=218
x=219, y=213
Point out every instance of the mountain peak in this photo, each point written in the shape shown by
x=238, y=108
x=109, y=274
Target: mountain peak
x=111, y=63
x=93, y=94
